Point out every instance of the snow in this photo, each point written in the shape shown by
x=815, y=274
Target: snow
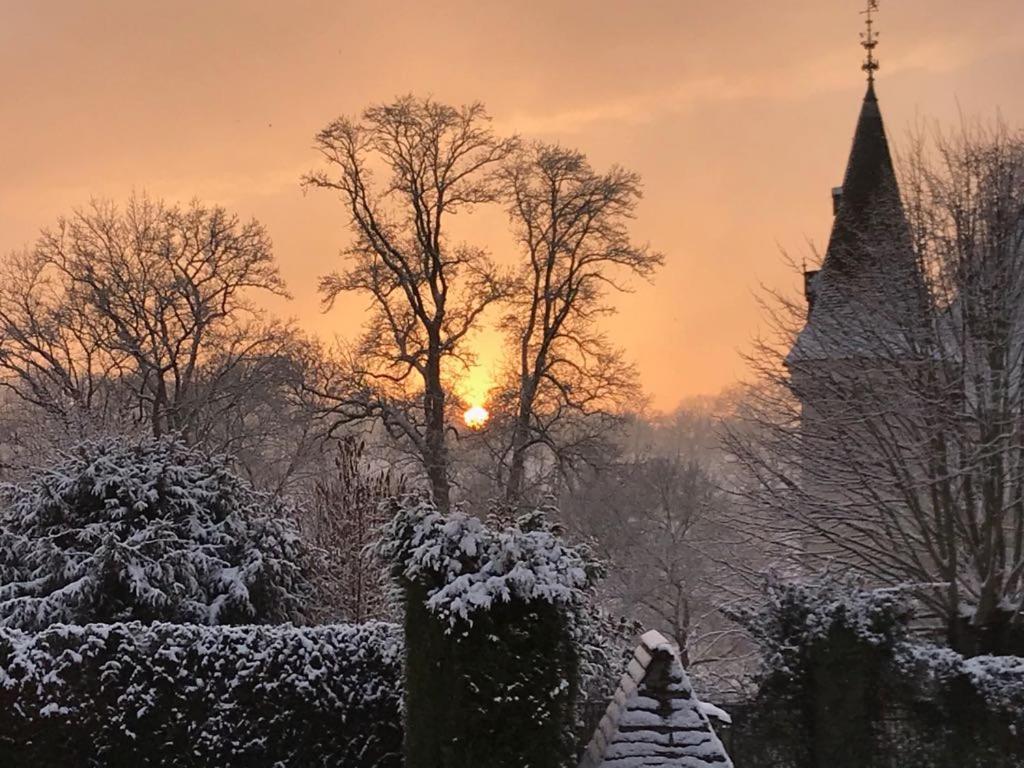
x=470, y=567
x=999, y=680
x=242, y=693
x=712, y=711
x=797, y=615
x=151, y=529
x=660, y=722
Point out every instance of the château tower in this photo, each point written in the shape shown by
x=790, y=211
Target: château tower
x=867, y=291
x=866, y=329
x=864, y=305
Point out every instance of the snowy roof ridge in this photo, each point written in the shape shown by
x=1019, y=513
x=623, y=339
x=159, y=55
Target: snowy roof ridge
x=655, y=718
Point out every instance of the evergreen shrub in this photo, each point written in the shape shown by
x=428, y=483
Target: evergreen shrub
x=189, y=696
x=147, y=530
x=493, y=660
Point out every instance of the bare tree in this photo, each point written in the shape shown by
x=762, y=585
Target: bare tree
x=52, y=355
x=891, y=437
x=667, y=529
x=143, y=317
x=567, y=384
x=347, y=514
x=427, y=293
x=259, y=411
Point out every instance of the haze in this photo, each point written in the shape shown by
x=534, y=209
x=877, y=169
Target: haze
x=737, y=114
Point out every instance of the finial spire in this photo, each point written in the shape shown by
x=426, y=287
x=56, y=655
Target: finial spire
x=869, y=40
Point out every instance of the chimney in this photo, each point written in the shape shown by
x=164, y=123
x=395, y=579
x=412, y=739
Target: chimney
x=810, y=288
x=837, y=198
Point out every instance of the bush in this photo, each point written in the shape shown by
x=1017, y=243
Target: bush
x=186, y=695
x=798, y=619
x=844, y=683
x=150, y=531
x=493, y=663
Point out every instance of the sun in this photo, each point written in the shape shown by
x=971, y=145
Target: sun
x=476, y=417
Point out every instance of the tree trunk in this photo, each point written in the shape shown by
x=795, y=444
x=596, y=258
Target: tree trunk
x=517, y=469
x=997, y=634
x=520, y=437
x=435, y=457
x=160, y=407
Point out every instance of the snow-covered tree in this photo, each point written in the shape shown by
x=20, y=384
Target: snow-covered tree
x=794, y=617
x=492, y=650
x=845, y=682
x=142, y=318
x=148, y=530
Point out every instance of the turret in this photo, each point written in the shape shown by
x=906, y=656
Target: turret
x=869, y=285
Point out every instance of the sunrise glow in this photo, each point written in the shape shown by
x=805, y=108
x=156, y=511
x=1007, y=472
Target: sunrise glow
x=512, y=335
x=476, y=417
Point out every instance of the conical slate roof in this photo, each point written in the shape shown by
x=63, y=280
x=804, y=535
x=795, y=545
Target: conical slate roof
x=655, y=719
x=869, y=192
x=868, y=291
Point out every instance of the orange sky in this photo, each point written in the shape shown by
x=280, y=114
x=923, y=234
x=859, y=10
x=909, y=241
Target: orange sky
x=738, y=114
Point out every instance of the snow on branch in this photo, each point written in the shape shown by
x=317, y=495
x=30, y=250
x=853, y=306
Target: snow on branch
x=146, y=530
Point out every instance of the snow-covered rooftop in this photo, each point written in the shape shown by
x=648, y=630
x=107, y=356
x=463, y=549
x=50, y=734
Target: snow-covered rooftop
x=655, y=718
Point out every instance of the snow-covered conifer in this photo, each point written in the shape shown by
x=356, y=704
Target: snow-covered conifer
x=120, y=530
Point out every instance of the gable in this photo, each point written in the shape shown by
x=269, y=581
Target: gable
x=655, y=718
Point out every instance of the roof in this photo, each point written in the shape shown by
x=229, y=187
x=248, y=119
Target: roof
x=869, y=189
x=870, y=272
x=655, y=718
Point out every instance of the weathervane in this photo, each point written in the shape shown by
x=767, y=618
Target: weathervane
x=869, y=40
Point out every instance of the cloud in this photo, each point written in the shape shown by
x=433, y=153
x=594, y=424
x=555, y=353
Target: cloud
x=831, y=72
x=634, y=109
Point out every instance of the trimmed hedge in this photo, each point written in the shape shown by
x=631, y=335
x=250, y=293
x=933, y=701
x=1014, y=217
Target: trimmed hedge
x=844, y=684
x=499, y=694
x=492, y=633
x=188, y=695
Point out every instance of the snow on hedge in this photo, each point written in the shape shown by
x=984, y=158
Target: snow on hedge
x=998, y=680
x=119, y=530
x=470, y=566
x=795, y=616
x=189, y=695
